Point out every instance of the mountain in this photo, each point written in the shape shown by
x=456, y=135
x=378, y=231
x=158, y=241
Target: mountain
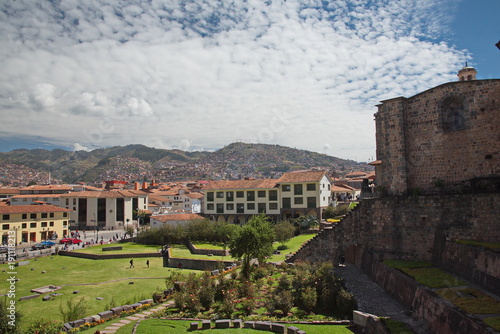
x=142, y=163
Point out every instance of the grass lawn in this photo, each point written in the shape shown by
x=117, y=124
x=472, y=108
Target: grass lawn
x=203, y=245
x=425, y=273
x=471, y=300
x=128, y=247
x=69, y=272
x=293, y=246
x=158, y=326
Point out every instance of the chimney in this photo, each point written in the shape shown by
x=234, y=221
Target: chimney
x=136, y=186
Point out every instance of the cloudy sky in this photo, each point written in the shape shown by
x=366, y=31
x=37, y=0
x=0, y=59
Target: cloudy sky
x=202, y=74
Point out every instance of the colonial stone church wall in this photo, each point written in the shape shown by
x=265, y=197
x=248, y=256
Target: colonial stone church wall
x=442, y=137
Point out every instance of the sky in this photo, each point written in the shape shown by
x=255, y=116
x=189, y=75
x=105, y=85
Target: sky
x=199, y=75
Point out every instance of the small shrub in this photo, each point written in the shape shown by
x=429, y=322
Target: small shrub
x=282, y=247
x=284, y=302
x=247, y=306
x=309, y=299
x=73, y=310
x=284, y=283
x=259, y=273
x=345, y=303
x=44, y=326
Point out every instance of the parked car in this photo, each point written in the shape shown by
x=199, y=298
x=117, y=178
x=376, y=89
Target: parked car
x=70, y=241
x=39, y=246
x=48, y=243
x=3, y=249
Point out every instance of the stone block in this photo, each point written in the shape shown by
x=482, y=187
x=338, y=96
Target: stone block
x=193, y=326
x=106, y=315
x=88, y=319
x=75, y=292
x=361, y=318
x=135, y=305
x=95, y=318
x=278, y=328
x=292, y=330
x=146, y=301
x=301, y=332
x=249, y=324
x=29, y=297
x=237, y=323
x=67, y=326
x=117, y=310
x=222, y=324
x=206, y=324
x=127, y=307
x=45, y=298
x=22, y=263
x=263, y=326
x=77, y=323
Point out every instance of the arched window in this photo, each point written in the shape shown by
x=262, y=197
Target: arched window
x=453, y=113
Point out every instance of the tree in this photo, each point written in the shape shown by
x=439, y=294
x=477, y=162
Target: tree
x=9, y=317
x=254, y=240
x=284, y=231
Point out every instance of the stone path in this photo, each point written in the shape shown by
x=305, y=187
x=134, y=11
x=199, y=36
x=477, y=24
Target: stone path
x=112, y=328
x=371, y=298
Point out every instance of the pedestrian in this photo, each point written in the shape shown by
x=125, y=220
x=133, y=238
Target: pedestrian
x=147, y=263
x=132, y=263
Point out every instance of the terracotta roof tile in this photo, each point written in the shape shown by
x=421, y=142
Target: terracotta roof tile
x=31, y=209
x=241, y=184
x=177, y=216
x=302, y=176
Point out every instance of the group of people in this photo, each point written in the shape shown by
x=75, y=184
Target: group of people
x=132, y=263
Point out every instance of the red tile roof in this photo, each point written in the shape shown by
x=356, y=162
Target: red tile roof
x=302, y=176
x=48, y=187
x=177, y=217
x=31, y=209
x=241, y=184
x=105, y=194
x=9, y=191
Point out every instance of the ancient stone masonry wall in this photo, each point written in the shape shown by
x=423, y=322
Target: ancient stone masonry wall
x=414, y=228
x=442, y=137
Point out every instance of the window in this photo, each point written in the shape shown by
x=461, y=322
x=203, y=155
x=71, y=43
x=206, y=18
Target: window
x=5, y=226
x=6, y=217
x=24, y=216
x=210, y=206
x=273, y=195
x=285, y=187
x=298, y=200
x=220, y=208
x=44, y=224
x=229, y=196
x=25, y=199
x=51, y=224
x=65, y=214
x=261, y=207
x=297, y=189
x=251, y=195
x=32, y=225
x=32, y=215
x=311, y=202
x=51, y=215
x=286, y=202
x=230, y=206
x=273, y=206
x=210, y=196
x=24, y=225
x=67, y=201
x=240, y=194
x=240, y=208
x=311, y=187
x=250, y=206
x=261, y=193
x=44, y=215
x=220, y=194
x=74, y=201
x=453, y=113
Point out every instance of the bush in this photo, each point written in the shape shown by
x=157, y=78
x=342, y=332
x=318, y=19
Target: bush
x=309, y=299
x=73, y=310
x=345, y=303
x=45, y=327
x=283, y=302
x=282, y=247
x=5, y=322
x=247, y=306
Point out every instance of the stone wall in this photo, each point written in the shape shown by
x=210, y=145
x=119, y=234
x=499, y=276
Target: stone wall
x=107, y=256
x=441, y=316
x=195, y=264
x=415, y=228
x=421, y=142
x=216, y=252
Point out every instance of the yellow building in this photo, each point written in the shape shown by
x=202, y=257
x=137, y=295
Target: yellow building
x=33, y=223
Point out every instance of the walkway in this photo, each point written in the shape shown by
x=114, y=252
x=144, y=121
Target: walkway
x=112, y=328
x=371, y=298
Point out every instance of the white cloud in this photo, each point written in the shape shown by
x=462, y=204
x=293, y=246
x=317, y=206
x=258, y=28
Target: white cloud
x=204, y=73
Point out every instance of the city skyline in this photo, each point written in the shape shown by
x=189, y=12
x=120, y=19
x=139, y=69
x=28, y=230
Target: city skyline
x=201, y=75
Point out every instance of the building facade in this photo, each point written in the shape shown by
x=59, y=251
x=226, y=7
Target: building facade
x=445, y=137
x=295, y=194
x=33, y=223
